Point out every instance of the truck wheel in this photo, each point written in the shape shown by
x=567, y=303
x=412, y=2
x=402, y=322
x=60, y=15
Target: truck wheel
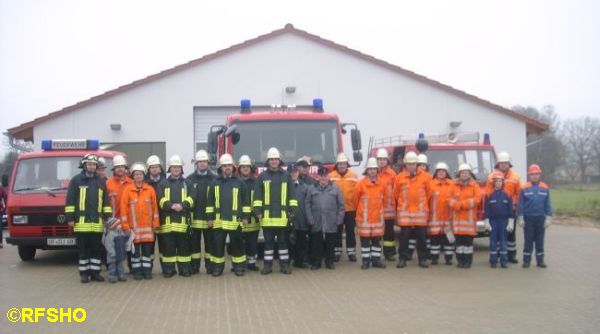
x=26, y=253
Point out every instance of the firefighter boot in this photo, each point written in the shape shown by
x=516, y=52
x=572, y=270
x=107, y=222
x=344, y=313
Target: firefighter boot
x=423, y=263
x=84, y=277
x=352, y=257
x=460, y=260
x=401, y=263
x=95, y=276
x=284, y=267
x=378, y=264
x=365, y=263
x=217, y=271
x=268, y=268
x=253, y=267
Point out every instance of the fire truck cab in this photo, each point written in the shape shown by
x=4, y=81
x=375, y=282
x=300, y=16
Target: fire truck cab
x=37, y=194
x=295, y=131
x=452, y=148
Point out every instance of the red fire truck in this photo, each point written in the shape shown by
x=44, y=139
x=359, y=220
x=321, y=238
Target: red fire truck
x=452, y=148
x=295, y=131
x=37, y=194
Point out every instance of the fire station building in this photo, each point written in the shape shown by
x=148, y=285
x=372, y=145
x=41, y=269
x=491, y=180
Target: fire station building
x=171, y=112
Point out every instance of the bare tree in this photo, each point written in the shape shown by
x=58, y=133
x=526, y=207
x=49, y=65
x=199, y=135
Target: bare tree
x=579, y=136
x=546, y=148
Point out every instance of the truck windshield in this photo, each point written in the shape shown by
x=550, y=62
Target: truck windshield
x=294, y=139
x=45, y=174
x=482, y=161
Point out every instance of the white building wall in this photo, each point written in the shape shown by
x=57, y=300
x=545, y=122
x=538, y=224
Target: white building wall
x=381, y=101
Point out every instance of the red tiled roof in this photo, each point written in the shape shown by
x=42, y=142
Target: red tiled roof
x=25, y=130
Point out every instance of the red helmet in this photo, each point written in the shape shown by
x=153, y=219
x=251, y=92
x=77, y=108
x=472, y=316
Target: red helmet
x=497, y=175
x=534, y=169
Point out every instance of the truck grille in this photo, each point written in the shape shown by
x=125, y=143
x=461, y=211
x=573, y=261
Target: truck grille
x=42, y=219
x=49, y=231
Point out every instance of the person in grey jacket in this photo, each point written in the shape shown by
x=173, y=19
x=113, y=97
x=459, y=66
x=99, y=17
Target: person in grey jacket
x=324, y=212
x=301, y=228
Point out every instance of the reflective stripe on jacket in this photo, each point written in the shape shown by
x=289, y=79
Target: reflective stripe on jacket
x=386, y=178
x=441, y=193
x=468, y=197
x=87, y=203
x=412, y=196
x=228, y=203
x=274, y=198
x=175, y=191
x=368, y=199
x=139, y=212
x=347, y=183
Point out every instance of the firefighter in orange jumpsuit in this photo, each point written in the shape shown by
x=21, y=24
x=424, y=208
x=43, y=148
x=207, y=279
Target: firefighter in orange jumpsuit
x=465, y=201
x=386, y=176
x=440, y=223
x=139, y=214
x=412, y=191
x=369, y=202
x=346, y=180
x=512, y=187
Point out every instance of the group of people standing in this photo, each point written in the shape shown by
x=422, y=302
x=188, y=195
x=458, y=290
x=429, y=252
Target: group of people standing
x=200, y=217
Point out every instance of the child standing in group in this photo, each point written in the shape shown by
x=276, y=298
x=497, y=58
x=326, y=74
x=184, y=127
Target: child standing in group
x=115, y=241
x=499, y=221
x=535, y=215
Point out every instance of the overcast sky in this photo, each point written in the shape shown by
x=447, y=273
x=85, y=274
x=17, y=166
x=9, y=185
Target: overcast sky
x=55, y=53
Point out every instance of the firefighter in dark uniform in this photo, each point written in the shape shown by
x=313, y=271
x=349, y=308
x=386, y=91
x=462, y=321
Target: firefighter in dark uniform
x=251, y=229
x=176, y=202
x=155, y=176
x=86, y=207
x=228, y=208
x=274, y=203
x=201, y=180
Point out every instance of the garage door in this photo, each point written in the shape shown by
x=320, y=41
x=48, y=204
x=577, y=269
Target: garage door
x=138, y=151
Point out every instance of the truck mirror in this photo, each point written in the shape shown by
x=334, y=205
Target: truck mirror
x=357, y=155
x=213, y=141
x=235, y=138
x=356, y=140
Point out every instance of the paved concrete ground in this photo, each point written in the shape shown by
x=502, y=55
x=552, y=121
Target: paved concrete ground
x=563, y=298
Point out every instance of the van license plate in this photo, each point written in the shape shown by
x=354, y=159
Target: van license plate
x=61, y=242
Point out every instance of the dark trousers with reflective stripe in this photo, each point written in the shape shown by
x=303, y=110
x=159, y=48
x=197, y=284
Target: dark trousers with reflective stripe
x=370, y=250
x=301, y=247
x=439, y=245
x=420, y=234
x=236, y=248
x=251, y=244
x=89, y=246
x=389, y=239
x=511, y=244
x=534, y=235
x=175, y=249
x=323, y=245
x=271, y=235
x=464, y=249
x=141, y=258
x=349, y=226
x=196, y=247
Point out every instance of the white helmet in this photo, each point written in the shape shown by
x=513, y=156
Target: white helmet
x=245, y=161
x=101, y=163
x=119, y=160
x=138, y=166
x=201, y=155
x=464, y=166
x=411, y=158
x=225, y=159
x=382, y=154
x=341, y=158
x=153, y=160
x=422, y=159
x=273, y=153
x=175, y=160
x=441, y=165
x=372, y=163
x=504, y=157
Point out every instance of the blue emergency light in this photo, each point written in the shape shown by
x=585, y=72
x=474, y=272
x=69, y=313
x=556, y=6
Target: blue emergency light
x=245, y=104
x=318, y=104
x=70, y=144
x=421, y=135
x=486, y=138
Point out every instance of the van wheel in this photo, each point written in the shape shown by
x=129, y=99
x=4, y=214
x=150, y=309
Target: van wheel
x=26, y=253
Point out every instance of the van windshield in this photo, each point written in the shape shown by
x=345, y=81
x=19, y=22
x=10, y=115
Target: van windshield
x=482, y=161
x=46, y=174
